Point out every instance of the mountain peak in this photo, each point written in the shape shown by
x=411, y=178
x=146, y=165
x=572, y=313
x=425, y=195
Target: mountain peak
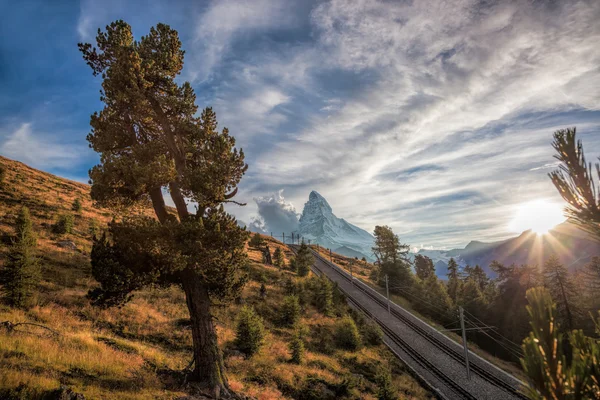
x=316, y=199
x=319, y=224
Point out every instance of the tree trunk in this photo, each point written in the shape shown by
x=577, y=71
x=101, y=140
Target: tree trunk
x=158, y=202
x=209, y=370
x=178, y=199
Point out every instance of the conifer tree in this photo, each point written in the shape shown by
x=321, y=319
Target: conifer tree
x=471, y=298
x=385, y=389
x=76, y=206
x=304, y=260
x=324, y=295
x=297, y=348
x=574, y=180
x=290, y=310
x=424, y=267
x=562, y=289
x=250, y=331
x=387, y=245
x=21, y=271
x=279, y=258
x=256, y=241
x=150, y=138
x=552, y=375
x=453, y=280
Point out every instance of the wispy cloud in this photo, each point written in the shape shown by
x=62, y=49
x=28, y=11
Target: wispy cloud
x=35, y=149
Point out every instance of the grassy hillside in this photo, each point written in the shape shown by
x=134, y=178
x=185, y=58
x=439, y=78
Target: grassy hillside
x=138, y=351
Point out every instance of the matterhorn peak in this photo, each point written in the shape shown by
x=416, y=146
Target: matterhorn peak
x=320, y=225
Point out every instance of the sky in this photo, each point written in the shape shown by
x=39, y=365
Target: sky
x=432, y=117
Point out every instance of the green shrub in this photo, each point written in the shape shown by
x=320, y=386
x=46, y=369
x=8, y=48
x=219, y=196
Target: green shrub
x=293, y=264
x=385, y=390
x=371, y=334
x=279, y=258
x=290, y=310
x=21, y=270
x=346, y=334
x=256, y=241
x=76, y=206
x=324, y=295
x=297, y=349
x=250, y=332
x=2, y=173
x=94, y=230
x=64, y=224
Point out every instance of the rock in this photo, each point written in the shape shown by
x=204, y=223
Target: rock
x=65, y=393
x=67, y=244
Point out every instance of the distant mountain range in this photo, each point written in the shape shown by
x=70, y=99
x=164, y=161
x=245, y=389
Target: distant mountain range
x=568, y=242
x=320, y=225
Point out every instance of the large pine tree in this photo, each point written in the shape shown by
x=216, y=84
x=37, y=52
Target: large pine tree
x=151, y=140
x=454, y=282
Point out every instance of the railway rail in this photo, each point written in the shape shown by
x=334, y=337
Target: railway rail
x=447, y=385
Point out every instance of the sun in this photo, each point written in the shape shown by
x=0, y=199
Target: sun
x=540, y=216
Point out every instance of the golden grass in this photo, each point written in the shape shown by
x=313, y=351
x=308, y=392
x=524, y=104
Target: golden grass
x=121, y=353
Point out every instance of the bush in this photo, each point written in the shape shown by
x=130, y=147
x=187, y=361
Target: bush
x=64, y=224
x=256, y=241
x=250, y=332
x=371, y=333
x=94, y=230
x=290, y=310
x=293, y=264
x=324, y=295
x=279, y=258
x=304, y=260
x=297, y=349
x=2, y=173
x=346, y=334
x=76, y=206
x=385, y=390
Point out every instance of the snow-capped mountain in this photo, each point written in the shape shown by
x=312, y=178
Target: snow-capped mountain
x=320, y=225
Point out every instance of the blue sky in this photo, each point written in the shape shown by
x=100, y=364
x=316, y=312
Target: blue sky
x=432, y=117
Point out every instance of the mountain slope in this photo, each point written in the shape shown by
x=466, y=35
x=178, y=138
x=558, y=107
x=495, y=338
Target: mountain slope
x=139, y=351
x=320, y=225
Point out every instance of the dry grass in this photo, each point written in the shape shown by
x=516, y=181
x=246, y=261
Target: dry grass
x=135, y=352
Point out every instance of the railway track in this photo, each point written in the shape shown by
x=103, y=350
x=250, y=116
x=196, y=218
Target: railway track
x=449, y=348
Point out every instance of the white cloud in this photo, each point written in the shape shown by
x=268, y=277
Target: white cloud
x=37, y=150
x=447, y=69
x=226, y=20
x=275, y=215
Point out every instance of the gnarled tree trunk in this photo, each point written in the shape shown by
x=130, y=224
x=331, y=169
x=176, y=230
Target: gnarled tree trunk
x=209, y=370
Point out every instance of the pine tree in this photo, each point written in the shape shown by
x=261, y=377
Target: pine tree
x=290, y=310
x=279, y=258
x=64, y=224
x=562, y=289
x=551, y=373
x=424, y=267
x=346, y=334
x=21, y=271
x=304, y=260
x=297, y=348
x=324, y=295
x=76, y=206
x=151, y=138
x=256, y=241
x=454, y=283
x=387, y=245
x=385, y=389
x=250, y=331
x=2, y=174
x=472, y=299
x=575, y=182
x=263, y=291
